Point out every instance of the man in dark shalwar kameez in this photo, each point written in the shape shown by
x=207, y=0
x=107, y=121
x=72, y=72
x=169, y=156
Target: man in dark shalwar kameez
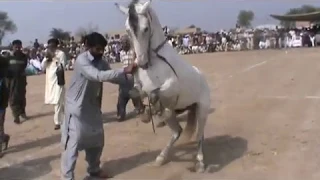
x=17, y=81
x=82, y=128
x=4, y=96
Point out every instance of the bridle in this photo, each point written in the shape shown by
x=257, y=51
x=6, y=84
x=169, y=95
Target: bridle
x=157, y=49
x=148, y=63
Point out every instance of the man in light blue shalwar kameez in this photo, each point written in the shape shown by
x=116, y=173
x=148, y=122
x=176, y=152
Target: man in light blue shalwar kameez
x=82, y=128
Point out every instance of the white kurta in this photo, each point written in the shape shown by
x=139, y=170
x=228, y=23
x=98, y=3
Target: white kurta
x=53, y=92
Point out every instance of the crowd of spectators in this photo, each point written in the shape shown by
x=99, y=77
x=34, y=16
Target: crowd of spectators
x=196, y=42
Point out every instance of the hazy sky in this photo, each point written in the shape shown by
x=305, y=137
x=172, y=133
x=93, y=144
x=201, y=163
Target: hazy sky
x=35, y=18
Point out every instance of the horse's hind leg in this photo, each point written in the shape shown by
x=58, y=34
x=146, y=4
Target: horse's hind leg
x=176, y=129
x=191, y=122
x=201, y=115
x=200, y=166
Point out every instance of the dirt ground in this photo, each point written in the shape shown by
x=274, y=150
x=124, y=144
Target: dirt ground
x=263, y=125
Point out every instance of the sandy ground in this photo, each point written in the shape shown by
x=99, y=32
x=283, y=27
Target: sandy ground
x=263, y=125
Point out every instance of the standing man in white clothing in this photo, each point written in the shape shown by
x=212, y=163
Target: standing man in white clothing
x=54, y=91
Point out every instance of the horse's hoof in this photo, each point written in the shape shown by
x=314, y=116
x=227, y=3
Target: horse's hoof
x=200, y=167
x=159, y=161
x=145, y=117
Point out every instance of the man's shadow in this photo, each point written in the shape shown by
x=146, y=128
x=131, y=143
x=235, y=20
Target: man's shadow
x=218, y=151
x=40, y=115
x=31, y=169
x=109, y=117
x=44, y=142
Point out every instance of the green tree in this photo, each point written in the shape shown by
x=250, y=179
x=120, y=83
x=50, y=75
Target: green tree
x=301, y=10
x=83, y=31
x=245, y=18
x=59, y=33
x=6, y=25
x=192, y=26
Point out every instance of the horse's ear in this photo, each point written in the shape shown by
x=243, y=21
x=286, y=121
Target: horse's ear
x=145, y=7
x=123, y=9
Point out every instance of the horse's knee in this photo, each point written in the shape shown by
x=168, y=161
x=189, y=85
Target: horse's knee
x=154, y=96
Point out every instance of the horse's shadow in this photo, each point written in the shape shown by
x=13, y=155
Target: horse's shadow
x=219, y=151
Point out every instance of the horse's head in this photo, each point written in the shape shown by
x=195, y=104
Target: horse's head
x=144, y=29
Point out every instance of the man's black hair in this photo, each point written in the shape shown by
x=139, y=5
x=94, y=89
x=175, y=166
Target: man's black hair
x=53, y=41
x=95, y=39
x=16, y=42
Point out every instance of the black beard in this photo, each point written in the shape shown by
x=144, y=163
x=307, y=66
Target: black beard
x=99, y=56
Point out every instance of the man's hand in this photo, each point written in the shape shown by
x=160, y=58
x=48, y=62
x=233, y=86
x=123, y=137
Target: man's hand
x=130, y=69
x=49, y=55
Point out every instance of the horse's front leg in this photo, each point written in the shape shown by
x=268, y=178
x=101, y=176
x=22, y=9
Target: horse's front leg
x=176, y=130
x=166, y=92
x=154, y=96
x=136, y=91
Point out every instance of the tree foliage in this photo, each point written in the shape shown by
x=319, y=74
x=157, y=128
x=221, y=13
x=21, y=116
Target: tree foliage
x=6, y=25
x=245, y=18
x=59, y=33
x=301, y=10
x=192, y=26
x=83, y=31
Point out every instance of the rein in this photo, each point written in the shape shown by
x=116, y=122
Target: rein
x=158, y=48
x=156, y=51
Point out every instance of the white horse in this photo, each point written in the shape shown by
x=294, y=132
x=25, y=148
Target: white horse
x=166, y=78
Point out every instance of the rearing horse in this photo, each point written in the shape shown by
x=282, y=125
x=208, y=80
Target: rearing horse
x=166, y=78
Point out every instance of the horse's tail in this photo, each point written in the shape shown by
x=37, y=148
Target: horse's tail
x=195, y=116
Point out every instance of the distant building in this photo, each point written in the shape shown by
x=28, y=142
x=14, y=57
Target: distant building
x=301, y=20
x=187, y=31
x=300, y=24
x=311, y=17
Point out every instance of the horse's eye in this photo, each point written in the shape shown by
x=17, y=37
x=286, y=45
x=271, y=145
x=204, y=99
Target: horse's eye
x=146, y=29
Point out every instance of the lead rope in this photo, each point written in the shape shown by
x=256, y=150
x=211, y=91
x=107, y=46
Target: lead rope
x=151, y=116
x=149, y=105
x=156, y=50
